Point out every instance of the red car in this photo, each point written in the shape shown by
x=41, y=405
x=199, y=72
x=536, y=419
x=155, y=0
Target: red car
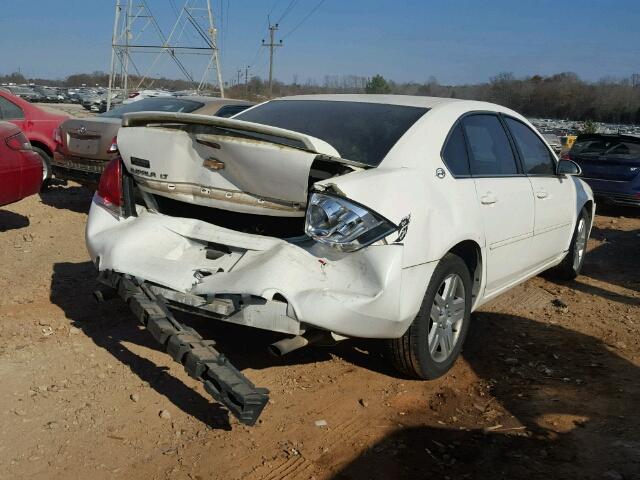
x=20, y=166
x=37, y=125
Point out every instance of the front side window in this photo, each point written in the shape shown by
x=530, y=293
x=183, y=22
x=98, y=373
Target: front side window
x=9, y=110
x=536, y=157
x=455, y=154
x=489, y=148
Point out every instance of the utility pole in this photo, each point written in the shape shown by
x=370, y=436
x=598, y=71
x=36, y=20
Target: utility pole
x=271, y=45
x=239, y=75
x=246, y=79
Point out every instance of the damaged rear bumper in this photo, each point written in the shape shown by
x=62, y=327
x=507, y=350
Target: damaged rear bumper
x=264, y=282
x=221, y=380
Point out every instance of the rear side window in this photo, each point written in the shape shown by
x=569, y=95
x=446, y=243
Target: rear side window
x=490, y=151
x=230, y=110
x=608, y=147
x=9, y=110
x=455, y=154
x=536, y=157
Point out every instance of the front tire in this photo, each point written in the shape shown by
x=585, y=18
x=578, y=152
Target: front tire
x=46, y=168
x=433, y=342
x=572, y=263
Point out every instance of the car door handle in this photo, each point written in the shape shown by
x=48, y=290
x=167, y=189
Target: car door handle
x=488, y=198
x=542, y=194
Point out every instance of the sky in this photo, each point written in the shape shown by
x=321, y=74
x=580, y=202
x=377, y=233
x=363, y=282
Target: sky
x=456, y=41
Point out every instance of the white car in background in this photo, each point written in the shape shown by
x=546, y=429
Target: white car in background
x=374, y=216
x=141, y=94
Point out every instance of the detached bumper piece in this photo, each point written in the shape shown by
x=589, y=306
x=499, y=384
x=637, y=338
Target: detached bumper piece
x=224, y=382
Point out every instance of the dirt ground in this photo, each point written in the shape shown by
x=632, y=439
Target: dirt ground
x=548, y=385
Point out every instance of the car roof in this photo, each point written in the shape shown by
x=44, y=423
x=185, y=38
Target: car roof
x=218, y=100
x=407, y=100
x=213, y=104
x=607, y=136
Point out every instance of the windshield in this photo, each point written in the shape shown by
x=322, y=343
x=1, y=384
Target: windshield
x=156, y=104
x=360, y=131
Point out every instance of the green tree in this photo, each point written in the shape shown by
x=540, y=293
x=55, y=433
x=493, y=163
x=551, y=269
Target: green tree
x=377, y=84
x=588, y=126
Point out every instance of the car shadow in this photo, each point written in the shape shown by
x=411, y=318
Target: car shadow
x=612, y=210
x=559, y=404
x=74, y=198
x=111, y=326
x=610, y=263
x=12, y=221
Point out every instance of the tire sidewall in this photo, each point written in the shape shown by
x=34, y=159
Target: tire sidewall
x=431, y=369
x=46, y=161
x=572, y=249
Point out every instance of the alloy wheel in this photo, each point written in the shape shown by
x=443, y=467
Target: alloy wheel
x=446, y=319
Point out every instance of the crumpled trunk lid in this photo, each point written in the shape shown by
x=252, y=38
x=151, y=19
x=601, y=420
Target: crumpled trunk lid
x=221, y=163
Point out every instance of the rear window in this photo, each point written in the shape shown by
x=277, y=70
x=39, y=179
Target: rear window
x=359, y=131
x=156, y=104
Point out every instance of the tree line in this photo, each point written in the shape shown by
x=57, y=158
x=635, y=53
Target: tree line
x=561, y=96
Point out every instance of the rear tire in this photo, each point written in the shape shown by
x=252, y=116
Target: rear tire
x=46, y=168
x=433, y=342
x=572, y=263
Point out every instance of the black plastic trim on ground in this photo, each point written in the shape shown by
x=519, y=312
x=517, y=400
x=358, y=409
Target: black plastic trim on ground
x=224, y=382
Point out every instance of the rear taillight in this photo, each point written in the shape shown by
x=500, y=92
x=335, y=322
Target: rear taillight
x=134, y=94
x=109, y=191
x=57, y=136
x=113, y=148
x=18, y=142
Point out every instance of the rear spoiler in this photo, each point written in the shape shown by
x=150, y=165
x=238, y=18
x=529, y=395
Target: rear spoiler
x=142, y=119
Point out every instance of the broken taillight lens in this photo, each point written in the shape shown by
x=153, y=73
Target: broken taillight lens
x=344, y=224
x=109, y=193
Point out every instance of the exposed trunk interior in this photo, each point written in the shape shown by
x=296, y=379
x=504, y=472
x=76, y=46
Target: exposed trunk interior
x=279, y=227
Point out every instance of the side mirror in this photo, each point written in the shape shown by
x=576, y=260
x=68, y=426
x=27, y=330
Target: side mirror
x=568, y=167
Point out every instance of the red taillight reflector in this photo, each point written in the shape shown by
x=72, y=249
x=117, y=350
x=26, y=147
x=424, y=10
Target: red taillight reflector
x=18, y=142
x=110, y=186
x=113, y=148
x=57, y=136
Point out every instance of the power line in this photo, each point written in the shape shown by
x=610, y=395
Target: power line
x=287, y=10
x=313, y=10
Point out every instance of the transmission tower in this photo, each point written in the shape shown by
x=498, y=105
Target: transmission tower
x=137, y=31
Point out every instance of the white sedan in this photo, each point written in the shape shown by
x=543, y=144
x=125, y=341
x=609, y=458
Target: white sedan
x=374, y=216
